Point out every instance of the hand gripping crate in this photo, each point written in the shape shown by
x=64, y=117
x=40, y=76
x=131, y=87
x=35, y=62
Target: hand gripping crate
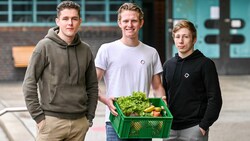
x=128, y=127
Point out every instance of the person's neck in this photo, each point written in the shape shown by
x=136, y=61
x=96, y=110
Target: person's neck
x=186, y=54
x=130, y=42
x=68, y=40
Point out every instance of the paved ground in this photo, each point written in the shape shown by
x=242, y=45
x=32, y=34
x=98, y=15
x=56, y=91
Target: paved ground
x=233, y=123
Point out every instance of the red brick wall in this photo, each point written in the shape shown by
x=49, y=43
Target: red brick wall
x=23, y=36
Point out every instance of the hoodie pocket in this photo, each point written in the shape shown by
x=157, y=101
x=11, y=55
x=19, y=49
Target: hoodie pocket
x=69, y=97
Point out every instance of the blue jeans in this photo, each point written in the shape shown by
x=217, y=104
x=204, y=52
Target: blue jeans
x=112, y=136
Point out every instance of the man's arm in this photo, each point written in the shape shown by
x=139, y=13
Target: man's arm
x=214, y=98
x=30, y=88
x=92, y=89
x=157, y=87
x=101, y=97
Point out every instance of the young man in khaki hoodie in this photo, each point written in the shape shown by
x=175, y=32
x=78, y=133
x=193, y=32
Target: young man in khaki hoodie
x=62, y=70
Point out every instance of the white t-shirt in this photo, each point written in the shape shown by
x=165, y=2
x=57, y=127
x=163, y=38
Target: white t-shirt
x=127, y=69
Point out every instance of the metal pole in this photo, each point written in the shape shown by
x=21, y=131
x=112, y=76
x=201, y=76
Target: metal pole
x=13, y=109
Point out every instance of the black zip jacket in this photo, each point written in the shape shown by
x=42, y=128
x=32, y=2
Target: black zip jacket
x=192, y=90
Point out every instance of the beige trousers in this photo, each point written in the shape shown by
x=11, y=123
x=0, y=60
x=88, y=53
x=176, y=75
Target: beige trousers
x=57, y=129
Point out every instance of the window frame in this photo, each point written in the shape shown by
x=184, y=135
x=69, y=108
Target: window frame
x=35, y=14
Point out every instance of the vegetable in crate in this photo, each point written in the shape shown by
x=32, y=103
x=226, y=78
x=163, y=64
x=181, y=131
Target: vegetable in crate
x=133, y=105
x=153, y=111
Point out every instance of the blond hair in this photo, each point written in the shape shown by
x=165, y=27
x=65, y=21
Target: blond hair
x=130, y=7
x=185, y=24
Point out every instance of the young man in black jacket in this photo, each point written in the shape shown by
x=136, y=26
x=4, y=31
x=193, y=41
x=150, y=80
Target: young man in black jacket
x=192, y=87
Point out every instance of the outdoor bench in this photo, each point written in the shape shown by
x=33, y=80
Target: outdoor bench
x=21, y=55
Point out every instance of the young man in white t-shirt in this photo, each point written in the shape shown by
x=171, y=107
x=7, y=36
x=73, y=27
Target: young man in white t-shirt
x=127, y=64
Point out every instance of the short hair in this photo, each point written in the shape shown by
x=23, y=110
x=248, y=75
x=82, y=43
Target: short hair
x=130, y=7
x=185, y=24
x=68, y=5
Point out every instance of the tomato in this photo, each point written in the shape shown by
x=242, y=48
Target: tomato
x=156, y=114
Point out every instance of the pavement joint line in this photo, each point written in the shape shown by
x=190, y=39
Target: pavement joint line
x=5, y=130
x=14, y=128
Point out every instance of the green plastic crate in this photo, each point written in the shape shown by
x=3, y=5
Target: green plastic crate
x=128, y=127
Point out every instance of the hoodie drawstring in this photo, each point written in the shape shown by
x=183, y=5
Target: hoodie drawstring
x=77, y=61
x=78, y=70
x=68, y=60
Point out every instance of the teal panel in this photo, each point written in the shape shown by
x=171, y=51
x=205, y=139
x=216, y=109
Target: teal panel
x=184, y=9
x=240, y=9
x=198, y=11
x=206, y=10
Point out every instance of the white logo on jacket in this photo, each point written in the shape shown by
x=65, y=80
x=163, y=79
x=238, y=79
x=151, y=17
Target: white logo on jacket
x=186, y=75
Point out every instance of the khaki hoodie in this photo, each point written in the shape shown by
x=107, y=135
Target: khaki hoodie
x=65, y=78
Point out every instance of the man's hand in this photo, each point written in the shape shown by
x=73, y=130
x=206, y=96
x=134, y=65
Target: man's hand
x=111, y=106
x=164, y=98
x=90, y=123
x=41, y=124
x=203, y=132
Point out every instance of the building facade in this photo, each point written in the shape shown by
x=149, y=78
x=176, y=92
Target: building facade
x=25, y=22
x=222, y=28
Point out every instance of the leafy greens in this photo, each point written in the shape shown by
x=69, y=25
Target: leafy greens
x=133, y=104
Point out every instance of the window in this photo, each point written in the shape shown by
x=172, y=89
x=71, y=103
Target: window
x=43, y=12
x=22, y=11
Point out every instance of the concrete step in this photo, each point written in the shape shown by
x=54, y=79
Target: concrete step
x=14, y=128
x=3, y=135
